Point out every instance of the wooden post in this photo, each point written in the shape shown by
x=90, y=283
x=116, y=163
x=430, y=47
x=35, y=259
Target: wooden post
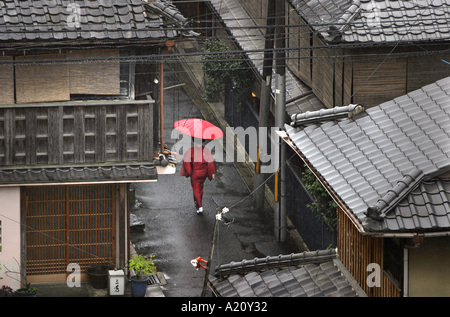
x=211, y=252
x=258, y=198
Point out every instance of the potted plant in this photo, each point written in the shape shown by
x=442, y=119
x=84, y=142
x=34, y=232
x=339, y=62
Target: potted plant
x=141, y=266
x=26, y=290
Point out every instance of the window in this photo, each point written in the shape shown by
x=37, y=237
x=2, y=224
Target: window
x=393, y=261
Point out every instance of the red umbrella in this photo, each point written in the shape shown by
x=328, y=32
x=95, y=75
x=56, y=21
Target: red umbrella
x=198, y=128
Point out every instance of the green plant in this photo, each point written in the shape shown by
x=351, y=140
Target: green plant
x=222, y=67
x=323, y=206
x=142, y=265
x=26, y=287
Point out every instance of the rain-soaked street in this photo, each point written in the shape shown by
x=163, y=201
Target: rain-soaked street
x=173, y=231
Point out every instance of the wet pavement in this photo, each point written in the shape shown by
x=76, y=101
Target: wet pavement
x=176, y=234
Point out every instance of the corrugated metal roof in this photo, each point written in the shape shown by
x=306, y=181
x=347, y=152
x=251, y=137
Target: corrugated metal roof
x=364, y=158
x=86, y=20
x=308, y=274
x=377, y=21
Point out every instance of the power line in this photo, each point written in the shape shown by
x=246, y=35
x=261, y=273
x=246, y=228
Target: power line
x=221, y=56
x=121, y=26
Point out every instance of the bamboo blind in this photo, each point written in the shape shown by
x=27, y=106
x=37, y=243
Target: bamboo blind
x=323, y=74
x=293, y=41
x=375, y=81
x=42, y=81
x=339, y=78
x=357, y=251
x=6, y=82
x=95, y=77
x=69, y=224
x=424, y=70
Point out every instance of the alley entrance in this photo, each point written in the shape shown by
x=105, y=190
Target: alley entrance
x=68, y=224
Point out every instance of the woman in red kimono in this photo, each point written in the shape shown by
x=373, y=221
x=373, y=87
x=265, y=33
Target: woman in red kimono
x=198, y=163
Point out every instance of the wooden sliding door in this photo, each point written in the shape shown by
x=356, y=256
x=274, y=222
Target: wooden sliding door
x=68, y=224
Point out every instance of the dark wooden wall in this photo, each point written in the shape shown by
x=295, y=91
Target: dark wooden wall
x=76, y=133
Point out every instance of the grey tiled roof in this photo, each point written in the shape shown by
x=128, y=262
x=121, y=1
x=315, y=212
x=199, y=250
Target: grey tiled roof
x=307, y=274
x=75, y=174
x=249, y=37
x=377, y=162
x=377, y=21
x=28, y=20
x=427, y=206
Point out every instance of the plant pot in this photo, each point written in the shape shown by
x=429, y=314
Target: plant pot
x=138, y=286
x=23, y=293
x=98, y=276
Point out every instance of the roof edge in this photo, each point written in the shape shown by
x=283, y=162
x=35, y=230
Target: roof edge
x=269, y=262
x=330, y=114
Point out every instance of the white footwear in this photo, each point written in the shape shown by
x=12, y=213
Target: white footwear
x=200, y=210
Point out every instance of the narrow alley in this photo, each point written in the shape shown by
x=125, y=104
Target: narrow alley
x=175, y=234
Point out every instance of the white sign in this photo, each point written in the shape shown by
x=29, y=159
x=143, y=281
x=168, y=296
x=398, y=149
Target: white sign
x=116, y=282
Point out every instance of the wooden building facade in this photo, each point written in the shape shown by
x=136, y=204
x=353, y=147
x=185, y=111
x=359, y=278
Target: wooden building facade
x=357, y=252
x=78, y=123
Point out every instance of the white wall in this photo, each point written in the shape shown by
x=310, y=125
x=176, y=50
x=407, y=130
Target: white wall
x=429, y=268
x=10, y=235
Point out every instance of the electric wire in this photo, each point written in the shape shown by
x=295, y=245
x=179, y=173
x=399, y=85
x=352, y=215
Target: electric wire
x=151, y=58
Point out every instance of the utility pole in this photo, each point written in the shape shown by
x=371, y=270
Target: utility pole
x=266, y=81
x=211, y=253
x=280, y=114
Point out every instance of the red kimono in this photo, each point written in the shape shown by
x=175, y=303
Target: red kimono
x=198, y=163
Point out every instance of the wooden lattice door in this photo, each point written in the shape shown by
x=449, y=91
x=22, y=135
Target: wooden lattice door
x=68, y=224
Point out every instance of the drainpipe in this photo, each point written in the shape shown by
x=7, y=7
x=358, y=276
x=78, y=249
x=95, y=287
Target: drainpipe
x=405, y=272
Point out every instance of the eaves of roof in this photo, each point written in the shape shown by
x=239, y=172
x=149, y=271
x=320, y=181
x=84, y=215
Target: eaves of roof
x=95, y=20
x=82, y=174
x=376, y=163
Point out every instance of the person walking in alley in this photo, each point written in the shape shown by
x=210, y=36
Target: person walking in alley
x=198, y=164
